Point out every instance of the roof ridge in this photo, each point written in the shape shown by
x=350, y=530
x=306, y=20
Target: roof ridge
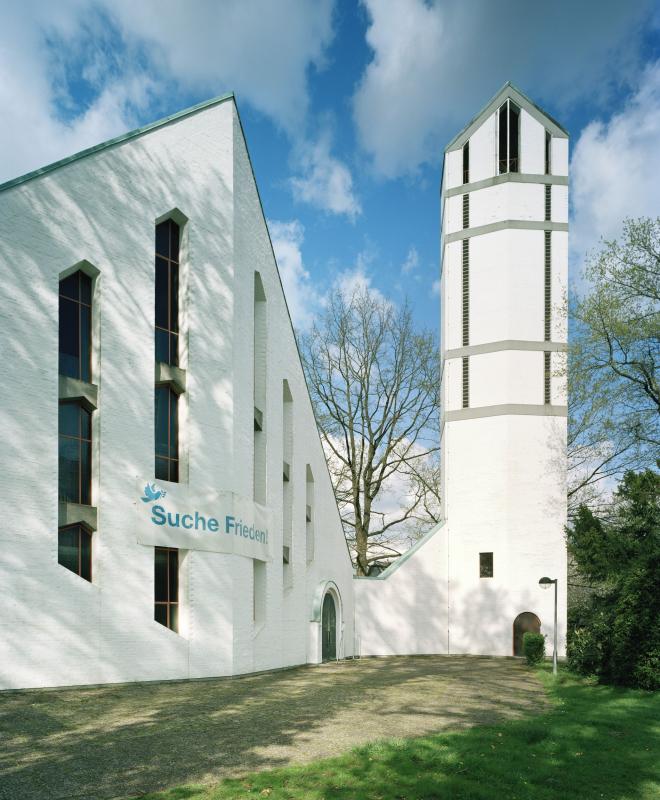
x=116, y=140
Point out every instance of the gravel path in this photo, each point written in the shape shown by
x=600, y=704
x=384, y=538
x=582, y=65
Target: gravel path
x=122, y=741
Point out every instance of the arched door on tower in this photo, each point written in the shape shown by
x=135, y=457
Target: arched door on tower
x=329, y=628
x=527, y=622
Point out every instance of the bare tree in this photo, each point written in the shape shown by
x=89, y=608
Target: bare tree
x=374, y=382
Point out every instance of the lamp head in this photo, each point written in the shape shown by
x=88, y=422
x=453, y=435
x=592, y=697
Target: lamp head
x=546, y=583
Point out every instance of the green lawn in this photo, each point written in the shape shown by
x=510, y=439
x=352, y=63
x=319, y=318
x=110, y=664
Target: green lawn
x=596, y=742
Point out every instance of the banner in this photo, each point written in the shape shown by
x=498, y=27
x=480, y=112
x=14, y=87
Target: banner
x=172, y=515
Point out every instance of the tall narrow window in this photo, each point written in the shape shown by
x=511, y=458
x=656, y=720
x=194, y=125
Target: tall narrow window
x=260, y=351
x=75, y=326
x=546, y=378
x=466, y=293
x=547, y=283
x=167, y=434
x=508, y=138
x=466, y=162
x=548, y=150
x=466, y=383
x=485, y=565
x=166, y=587
x=74, y=550
x=548, y=202
x=309, y=514
x=75, y=453
x=466, y=210
x=258, y=591
x=167, y=292
x=287, y=487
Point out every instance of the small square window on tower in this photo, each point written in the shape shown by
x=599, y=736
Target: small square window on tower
x=485, y=565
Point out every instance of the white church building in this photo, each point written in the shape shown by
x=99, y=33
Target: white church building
x=167, y=510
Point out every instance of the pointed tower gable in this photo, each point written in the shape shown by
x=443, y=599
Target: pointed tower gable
x=508, y=91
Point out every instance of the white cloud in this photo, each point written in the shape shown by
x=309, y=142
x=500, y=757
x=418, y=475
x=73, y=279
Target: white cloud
x=257, y=48
x=411, y=263
x=435, y=287
x=302, y=298
x=357, y=279
x=136, y=56
x=326, y=182
x=434, y=65
x=615, y=168
x=34, y=132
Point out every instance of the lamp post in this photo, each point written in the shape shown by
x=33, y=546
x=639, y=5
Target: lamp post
x=546, y=583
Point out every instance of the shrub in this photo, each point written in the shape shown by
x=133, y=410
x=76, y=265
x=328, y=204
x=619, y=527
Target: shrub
x=533, y=647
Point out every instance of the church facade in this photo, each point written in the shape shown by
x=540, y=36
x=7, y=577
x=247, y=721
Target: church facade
x=168, y=510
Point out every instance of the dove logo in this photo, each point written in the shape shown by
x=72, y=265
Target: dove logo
x=152, y=493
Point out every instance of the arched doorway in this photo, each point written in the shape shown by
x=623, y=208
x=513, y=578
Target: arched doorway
x=527, y=622
x=329, y=628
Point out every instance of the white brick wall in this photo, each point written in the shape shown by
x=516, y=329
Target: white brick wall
x=58, y=628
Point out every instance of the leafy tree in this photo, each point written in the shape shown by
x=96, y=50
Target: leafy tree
x=614, y=364
x=615, y=633
x=374, y=381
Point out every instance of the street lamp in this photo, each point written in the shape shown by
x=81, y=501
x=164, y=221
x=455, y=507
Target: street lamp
x=546, y=583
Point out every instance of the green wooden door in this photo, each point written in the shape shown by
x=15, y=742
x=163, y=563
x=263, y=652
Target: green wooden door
x=329, y=628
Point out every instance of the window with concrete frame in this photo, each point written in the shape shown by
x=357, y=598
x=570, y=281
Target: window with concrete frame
x=258, y=591
x=74, y=550
x=75, y=327
x=167, y=433
x=166, y=587
x=167, y=292
x=485, y=565
x=260, y=340
x=548, y=151
x=75, y=453
x=287, y=483
x=309, y=514
x=508, y=138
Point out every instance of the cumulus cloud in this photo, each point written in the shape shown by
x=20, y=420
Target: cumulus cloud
x=301, y=296
x=36, y=128
x=131, y=58
x=257, y=48
x=435, y=287
x=615, y=168
x=325, y=182
x=435, y=64
x=411, y=263
x=356, y=279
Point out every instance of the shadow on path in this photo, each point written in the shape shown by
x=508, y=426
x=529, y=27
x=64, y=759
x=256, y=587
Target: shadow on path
x=113, y=741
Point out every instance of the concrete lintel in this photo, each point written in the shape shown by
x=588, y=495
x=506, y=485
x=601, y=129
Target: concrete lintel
x=506, y=224
x=169, y=374
x=77, y=514
x=73, y=389
x=505, y=344
x=506, y=409
x=507, y=177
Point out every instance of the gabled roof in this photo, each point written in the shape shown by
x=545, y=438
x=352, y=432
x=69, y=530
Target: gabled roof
x=124, y=137
x=520, y=99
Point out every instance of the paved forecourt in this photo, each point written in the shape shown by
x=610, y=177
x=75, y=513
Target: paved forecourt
x=124, y=740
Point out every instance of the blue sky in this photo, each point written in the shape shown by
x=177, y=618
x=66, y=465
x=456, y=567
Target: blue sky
x=347, y=107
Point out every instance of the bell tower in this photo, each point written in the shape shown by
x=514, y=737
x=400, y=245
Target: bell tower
x=503, y=391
